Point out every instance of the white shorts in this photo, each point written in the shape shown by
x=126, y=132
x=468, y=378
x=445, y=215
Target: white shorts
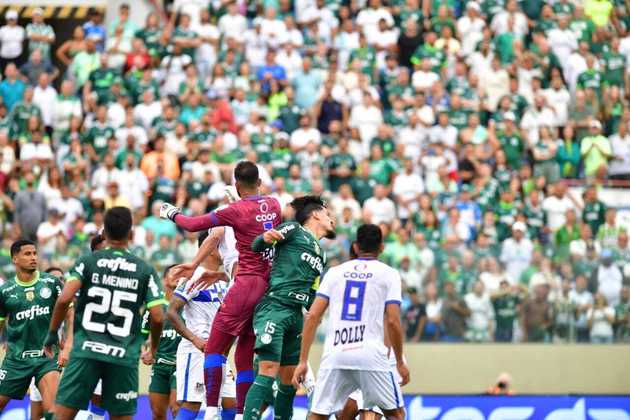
x=36, y=396
x=357, y=395
x=190, y=379
x=334, y=386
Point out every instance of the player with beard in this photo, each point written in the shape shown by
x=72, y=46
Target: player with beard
x=298, y=264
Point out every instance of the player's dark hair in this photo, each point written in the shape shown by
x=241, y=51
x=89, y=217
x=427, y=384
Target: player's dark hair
x=16, y=246
x=51, y=269
x=351, y=252
x=305, y=206
x=202, y=237
x=167, y=269
x=369, y=238
x=118, y=222
x=246, y=173
x=96, y=241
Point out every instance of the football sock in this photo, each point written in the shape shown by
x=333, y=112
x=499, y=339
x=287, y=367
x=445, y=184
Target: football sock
x=283, y=406
x=261, y=390
x=186, y=414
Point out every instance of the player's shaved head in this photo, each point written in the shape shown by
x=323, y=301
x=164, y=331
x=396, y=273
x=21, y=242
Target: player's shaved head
x=369, y=238
x=118, y=222
x=246, y=174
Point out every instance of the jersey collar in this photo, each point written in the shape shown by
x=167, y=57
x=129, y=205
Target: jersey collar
x=30, y=283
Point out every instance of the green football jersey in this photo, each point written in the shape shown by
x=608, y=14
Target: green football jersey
x=116, y=287
x=27, y=309
x=167, y=350
x=297, y=265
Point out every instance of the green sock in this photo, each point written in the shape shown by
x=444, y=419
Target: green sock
x=49, y=415
x=260, y=391
x=283, y=407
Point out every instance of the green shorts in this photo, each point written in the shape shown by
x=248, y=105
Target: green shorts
x=120, y=386
x=163, y=379
x=278, y=330
x=16, y=374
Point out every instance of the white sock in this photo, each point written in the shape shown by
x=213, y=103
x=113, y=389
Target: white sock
x=238, y=417
x=212, y=413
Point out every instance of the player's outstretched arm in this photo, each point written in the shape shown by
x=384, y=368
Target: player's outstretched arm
x=174, y=308
x=311, y=321
x=189, y=223
x=156, y=324
x=395, y=332
x=60, y=312
x=207, y=246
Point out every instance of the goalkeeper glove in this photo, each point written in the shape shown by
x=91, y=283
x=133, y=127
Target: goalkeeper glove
x=169, y=211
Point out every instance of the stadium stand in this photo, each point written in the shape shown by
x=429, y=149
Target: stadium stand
x=483, y=137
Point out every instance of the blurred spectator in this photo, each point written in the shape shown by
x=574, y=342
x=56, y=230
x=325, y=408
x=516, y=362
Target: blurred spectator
x=480, y=323
x=622, y=316
x=414, y=317
x=505, y=302
x=537, y=315
x=40, y=35
x=12, y=38
x=30, y=208
x=600, y=320
x=609, y=278
x=454, y=314
x=11, y=88
x=516, y=252
x=433, y=306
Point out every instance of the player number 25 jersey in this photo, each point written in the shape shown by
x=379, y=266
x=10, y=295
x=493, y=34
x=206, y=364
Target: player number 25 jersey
x=357, y=292
x=115, y=288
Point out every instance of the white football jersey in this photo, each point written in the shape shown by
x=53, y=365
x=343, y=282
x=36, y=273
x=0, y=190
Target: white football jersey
x=228, y=252
x=200, y=309
x=357, y=292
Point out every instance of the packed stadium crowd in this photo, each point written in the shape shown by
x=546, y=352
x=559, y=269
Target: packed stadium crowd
x=453, y=125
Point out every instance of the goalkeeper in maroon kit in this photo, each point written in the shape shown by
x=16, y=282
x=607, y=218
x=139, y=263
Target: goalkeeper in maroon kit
x=249, y=217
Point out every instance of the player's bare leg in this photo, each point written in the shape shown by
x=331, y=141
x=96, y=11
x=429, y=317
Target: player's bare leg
x=65, y=413
x=397, y=414
x=37, y=412
x=315, y=416
x=228, y=408
x=350, y=410
x=48, y=388
x=4, y=400
x=173, y=404
x=159, y=405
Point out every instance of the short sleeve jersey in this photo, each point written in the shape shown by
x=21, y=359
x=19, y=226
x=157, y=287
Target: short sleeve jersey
x=249, y=218
x=27, y=309
x=357, y=293
x=116, y=288
x=167, y=350
x=200, y=309
x=297, y=266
